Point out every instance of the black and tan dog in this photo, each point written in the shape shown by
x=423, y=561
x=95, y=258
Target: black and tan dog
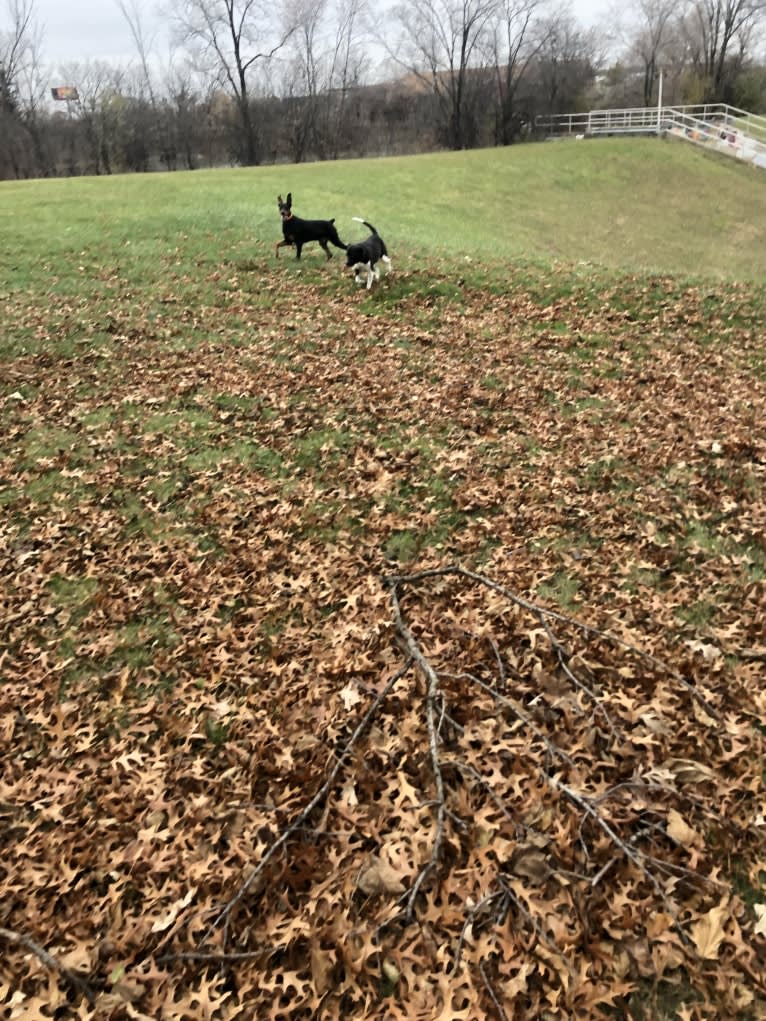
x=299, y=232
x=366, y=254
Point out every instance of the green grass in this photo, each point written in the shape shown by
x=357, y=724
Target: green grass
x=623, y=204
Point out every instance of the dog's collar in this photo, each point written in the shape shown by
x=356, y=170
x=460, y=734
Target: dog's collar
x=288, y=217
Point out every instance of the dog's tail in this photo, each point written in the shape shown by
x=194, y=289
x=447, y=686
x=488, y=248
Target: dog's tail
x=369, y=226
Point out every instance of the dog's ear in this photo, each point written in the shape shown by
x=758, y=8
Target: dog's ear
x=289, y=199
x=279, y=200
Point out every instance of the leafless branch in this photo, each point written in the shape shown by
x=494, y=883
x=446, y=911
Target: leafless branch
x=471, y=917
x=212, y=957
x=629, y=852
x=320, y=796
x=553, y=749
x=541, y=612
x=492, y=995
x=77, y=982
x=433, y=697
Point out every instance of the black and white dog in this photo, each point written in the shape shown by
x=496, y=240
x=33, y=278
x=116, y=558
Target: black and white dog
x=366, y=254
x=299, y=232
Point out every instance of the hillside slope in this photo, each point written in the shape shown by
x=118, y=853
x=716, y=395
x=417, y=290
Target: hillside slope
x=624, y=204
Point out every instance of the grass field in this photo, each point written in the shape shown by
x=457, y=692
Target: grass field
x=393, y=654
x=622, y=204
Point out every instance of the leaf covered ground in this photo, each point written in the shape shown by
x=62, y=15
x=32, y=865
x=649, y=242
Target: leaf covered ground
x=383, y=657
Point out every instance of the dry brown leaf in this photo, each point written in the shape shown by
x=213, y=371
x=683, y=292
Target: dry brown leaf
x=708, y=932
x=322, y=964
x=165, y=921
x=530, y=863
x=688, y=771
x=380, y=877
x=680, y=831
x=350, y=695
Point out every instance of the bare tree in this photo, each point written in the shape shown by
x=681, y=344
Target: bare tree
x=146, y=123
x=348, y=60
x=717, y=32
x=565, y=63
x=444, y=43
x=16, y=40
x=326, y=62
x=22, y=90
x=515, y=46
x=234, y=36
x=650, y=36
x=99, y=105
x=304, y=78
x=182, y=113
x=132, y=12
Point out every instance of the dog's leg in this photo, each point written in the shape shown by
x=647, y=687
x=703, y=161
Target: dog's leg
x=389, y=266
x=298, y=247
x=370, y=275
x=327, y=252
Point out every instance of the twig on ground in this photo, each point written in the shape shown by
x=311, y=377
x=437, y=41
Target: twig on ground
x=488, y=986
x=77, y=982
x=553, y=749
x=212, y=957
x=433, y=698
x=471, y=918
x=563, y=658
x=541, y=936
x=298, y=823
x=499, y=661
x=540, y=611
x=587, y=807
x=465, y=767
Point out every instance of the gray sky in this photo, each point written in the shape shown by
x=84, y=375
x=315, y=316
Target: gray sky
x=78, y=30
x=75, y=30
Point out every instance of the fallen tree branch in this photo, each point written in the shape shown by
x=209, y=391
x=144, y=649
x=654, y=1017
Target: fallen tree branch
x=501, y=1015
x=585, y=804
x=497, y=718
x=298, y=823
x=432, y=697
x=587, y=807
x=471, y=917
x=77, y=982
x=553, y=749
x=542, y=612
x=212, y=957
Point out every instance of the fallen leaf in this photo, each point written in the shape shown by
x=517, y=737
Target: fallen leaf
x=163, y=923
x=530, y=863
x=688, y=771
x=380, y=877
x=679, y=831
x=322, y=963
x=350, y=696
x=707, y=932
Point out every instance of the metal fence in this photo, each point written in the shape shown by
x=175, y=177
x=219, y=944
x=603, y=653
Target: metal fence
x=713, y=125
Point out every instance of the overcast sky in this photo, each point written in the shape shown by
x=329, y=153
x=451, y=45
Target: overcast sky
x=77, y=30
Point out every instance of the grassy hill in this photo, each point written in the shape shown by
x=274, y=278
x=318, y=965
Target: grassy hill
x=623, y=204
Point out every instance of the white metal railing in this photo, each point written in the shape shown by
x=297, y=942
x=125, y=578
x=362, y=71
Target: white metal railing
x=713, y=125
